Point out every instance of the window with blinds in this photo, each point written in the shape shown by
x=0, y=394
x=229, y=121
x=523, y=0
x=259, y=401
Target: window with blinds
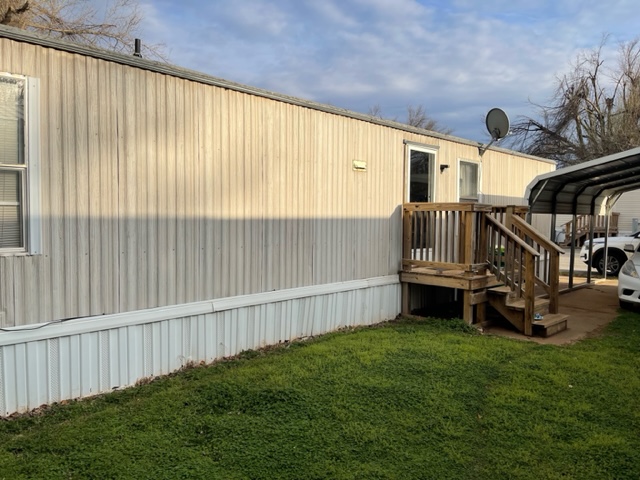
x=13, y=163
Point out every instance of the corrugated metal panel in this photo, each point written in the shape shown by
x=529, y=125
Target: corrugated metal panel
x=70, y=360
x=159, y=191
x=628, y=206
x=166, y=69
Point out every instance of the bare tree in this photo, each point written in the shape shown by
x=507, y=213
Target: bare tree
x=113, y=25
x=595, y=111
x=416, y=117
x=11, y=11
x=375, y=111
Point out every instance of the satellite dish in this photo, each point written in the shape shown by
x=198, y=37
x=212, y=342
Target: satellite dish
x=498, y=125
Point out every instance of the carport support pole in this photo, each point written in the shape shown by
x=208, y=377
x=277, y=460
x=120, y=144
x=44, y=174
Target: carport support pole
x=606, y=243
x=592, y=220
x=552, y=234
x=572, y=259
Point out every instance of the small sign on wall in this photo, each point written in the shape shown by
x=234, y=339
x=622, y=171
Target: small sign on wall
x=360, y=166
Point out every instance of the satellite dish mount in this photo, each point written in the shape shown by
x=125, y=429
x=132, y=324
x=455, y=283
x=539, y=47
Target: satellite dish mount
x=498, y=126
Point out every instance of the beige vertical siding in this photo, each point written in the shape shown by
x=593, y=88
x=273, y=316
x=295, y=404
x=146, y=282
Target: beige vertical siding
x=158, y=190
x=628, y=206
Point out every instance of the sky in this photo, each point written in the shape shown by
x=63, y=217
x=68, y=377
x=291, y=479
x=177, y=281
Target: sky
x=457, y=58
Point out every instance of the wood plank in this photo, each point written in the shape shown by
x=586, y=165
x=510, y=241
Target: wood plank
x=443, y=265
x=502, y=290
x=481, y=313
x=406, y=245
x=540, y=305
x=513, y=316
x=551, y=324
x=478, y=297
x=441, y=281
x=406, y=299
x=467, y=308
x=536, y=236
x=452, y=207
x=529, y=296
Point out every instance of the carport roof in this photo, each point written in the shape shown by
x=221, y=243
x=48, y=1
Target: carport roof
x=582, y=189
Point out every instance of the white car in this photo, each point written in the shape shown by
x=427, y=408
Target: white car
x=629, y=280
x=616, y=252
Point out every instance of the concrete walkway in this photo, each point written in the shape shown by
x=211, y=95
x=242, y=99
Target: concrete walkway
x=590, y=308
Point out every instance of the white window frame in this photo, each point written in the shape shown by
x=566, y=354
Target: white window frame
x=30, y=171
x=432, y=150
x=478, y=180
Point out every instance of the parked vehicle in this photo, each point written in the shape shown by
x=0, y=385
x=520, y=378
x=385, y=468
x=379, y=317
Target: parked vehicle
x=629, y=280
x=615, y=249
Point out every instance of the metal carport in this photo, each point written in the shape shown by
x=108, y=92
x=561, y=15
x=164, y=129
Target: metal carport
x=590, y=188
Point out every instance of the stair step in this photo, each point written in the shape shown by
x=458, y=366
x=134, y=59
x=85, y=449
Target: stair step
x=541, y=305
x=495, y=283
x=550, y=324
x=504, y=290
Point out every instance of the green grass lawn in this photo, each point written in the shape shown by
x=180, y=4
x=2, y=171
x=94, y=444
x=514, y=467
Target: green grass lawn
x=408, y=399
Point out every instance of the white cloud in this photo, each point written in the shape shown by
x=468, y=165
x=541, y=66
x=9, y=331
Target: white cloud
x=459, y=60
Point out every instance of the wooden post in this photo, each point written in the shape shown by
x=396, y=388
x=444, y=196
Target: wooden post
x=481, y=313
x=467, y=246
x=508, y=218
x=406, y=299
x=483, y=253
x=554, y=281
x=461, y=239
x=467, y=308
x=405, y=307
x=406, y=232
x=529, y=293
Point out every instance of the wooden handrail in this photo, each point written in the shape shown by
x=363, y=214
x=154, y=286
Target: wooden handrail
x=513, y=236
x=446, y=207
x=474, y=238
x=548, y=276
x=516, y=268
x=536, y=235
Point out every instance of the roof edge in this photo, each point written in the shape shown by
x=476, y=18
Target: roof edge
x=539, y=183
x=193, y=75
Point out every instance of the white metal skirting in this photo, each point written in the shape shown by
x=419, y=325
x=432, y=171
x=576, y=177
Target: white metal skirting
x=49, y=363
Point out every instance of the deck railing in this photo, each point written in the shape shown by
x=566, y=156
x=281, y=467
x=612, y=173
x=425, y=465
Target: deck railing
x=547, y=267
x=443, y=236
x=501, y=213
x=474, y=238
x=513, y=262
x=583, y=226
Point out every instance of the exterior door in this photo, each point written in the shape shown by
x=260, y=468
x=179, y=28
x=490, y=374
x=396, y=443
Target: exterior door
x=420, y=186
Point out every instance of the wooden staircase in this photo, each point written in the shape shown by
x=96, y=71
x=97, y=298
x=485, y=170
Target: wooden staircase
x=583, y=227
x=530, y=272
x=544, y=324
x=489, y=253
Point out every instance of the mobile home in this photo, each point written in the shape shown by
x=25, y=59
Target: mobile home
x=152, y=216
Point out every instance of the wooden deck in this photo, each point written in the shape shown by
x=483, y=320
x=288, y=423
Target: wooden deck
x=490, y=254
x=583, y=226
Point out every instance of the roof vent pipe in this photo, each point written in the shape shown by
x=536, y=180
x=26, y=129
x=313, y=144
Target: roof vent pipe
x=136, y=51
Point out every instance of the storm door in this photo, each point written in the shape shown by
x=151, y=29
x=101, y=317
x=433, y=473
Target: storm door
x=420, y=181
